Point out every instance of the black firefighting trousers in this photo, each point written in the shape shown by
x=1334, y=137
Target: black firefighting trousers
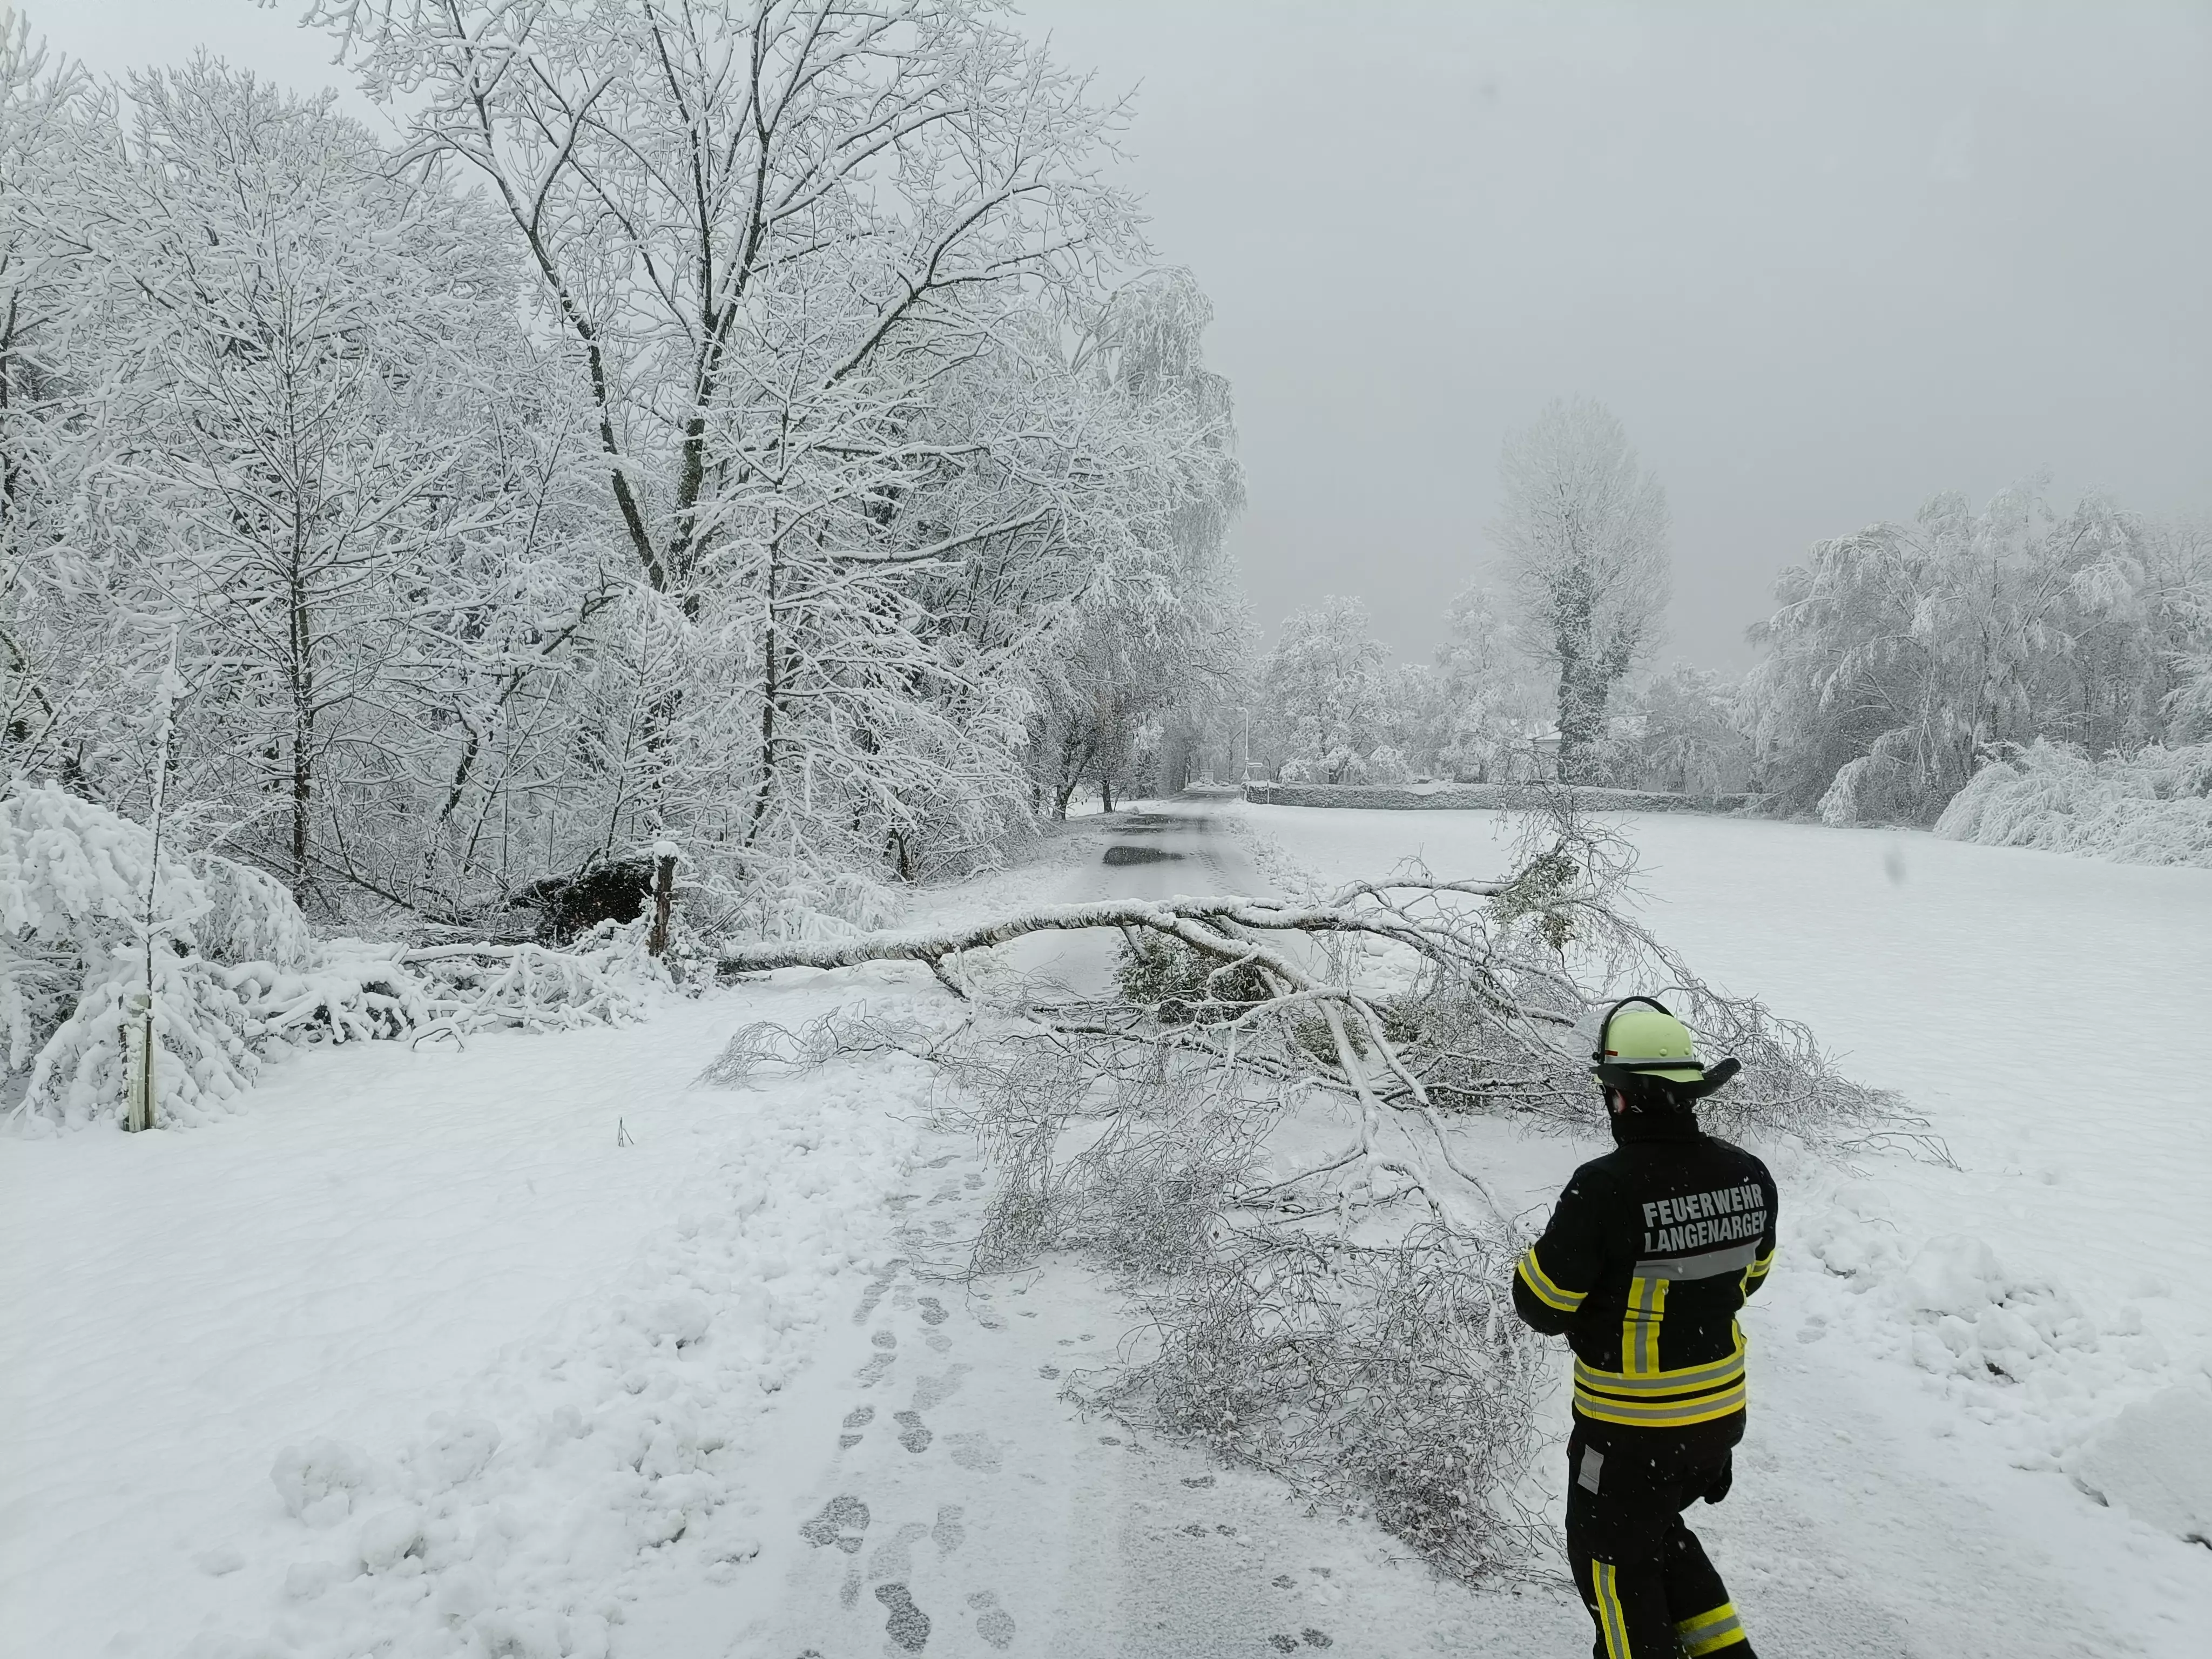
x=1641, y=1573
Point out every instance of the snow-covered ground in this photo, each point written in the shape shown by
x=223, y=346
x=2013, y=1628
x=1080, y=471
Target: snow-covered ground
x=541, y=1349
x=1994, y=1339
x=487, y=1324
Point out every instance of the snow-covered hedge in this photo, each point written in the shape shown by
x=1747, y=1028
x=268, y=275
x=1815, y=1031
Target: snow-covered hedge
x=88, y=914
x=2154, y=807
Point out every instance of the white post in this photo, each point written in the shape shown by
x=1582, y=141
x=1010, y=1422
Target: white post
x=138, y=1052
x=139, y=1095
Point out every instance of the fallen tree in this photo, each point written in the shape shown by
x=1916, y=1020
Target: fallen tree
x=1261, y=1124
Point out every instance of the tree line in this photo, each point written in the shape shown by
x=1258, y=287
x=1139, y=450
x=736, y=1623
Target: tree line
x=1899, y=660
x=763, y=429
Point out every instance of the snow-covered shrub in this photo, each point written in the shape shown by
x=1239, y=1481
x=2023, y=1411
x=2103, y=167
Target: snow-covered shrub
x=1344, y=765
x=233, y=968
x=201, y=1024
x=77, y=884
x=250, y=915
x=1388, y=765
x=2153, y=807
x=1871, y=789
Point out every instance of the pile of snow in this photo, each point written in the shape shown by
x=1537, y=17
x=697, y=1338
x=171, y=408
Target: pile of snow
x=2018, y=1351
x=1971, y=1318
x=102, y=933
x=2154, y=807
x=2154, y=1460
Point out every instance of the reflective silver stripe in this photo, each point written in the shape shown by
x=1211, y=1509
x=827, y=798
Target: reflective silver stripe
x=1706, y=1264
x=1681, y=1382
x=1593, y=1465
x=1699, y=1642
x=1639, y=1327
x=1533, y=1275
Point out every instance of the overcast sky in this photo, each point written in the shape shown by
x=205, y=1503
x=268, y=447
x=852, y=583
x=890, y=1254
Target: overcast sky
x=1822, y=259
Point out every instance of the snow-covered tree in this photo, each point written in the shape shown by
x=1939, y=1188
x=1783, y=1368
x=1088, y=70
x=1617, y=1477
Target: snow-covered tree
x=835, y=284
x=1582, y=539
x=746, y=428
x=324, y=517
x=1904, y=655
x=1689, y=739
x=1489, y=702
x=1323, y=689
x=1153, y=634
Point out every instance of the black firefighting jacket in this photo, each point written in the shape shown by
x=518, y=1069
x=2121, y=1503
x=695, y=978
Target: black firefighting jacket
x=1648, y=1256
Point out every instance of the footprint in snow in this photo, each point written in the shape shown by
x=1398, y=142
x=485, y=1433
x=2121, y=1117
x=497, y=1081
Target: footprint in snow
x=989, y=1320
x=975, y=1451
x=1315, y=1638
x=894, y=1557
x=939, y=1162
x=860, y=1417
x=840, y=1524
x=972, y=1182
x=948, y=1535
x=1198, y=1482
x=931, y=1392
x=914, y=1434
x=932, y=1310
x=907, y=1626
x=1283, y=1581
x=884, y=1340
x=992, y=1622
x=876, y=1287
x=1050, y=1373
x=872, y=1372
x=938, y=1342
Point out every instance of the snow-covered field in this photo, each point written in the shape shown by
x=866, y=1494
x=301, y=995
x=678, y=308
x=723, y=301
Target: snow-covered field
x=2032, y=1323
x=539, y=1349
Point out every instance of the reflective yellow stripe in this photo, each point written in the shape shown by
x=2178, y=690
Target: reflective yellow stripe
x=1760, y=1264
x=1681, y=1381
x=1639, y=1327
x=1539, y=1283
x=1611, y=1619
x=1662, y=1413
x=1710, y=1631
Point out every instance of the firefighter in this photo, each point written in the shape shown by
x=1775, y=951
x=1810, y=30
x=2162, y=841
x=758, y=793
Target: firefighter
x=1648, y=1256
